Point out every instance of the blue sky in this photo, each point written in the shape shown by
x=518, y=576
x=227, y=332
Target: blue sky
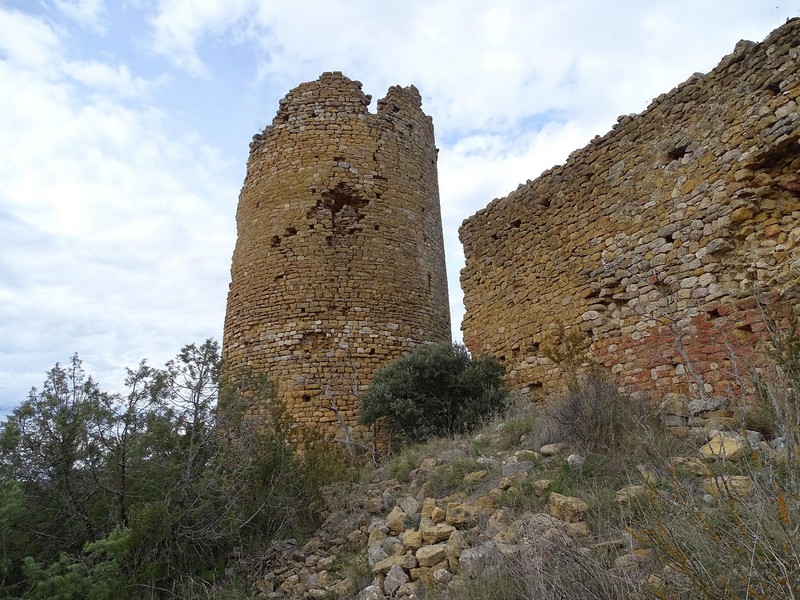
x=124, y=131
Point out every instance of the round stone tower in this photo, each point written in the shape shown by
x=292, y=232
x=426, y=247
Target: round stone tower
x=339, y=261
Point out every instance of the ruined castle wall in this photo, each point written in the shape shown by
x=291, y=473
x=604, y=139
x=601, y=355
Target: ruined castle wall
x=339, y=261
x=652, y=239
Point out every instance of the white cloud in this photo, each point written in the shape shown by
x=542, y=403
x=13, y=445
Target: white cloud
x=113, y=226
x=87, y=13
x=108, y=78
x=179, y=26
x=26, y=40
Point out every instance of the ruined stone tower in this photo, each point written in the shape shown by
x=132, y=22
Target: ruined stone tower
x=339, y=261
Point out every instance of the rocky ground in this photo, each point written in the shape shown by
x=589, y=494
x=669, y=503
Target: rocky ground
x=458, y=509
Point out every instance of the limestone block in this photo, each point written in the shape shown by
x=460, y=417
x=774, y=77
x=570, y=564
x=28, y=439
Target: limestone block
x=439, y=532
x=428, y=556
x=406, y=561
x=461, y=515
x=395, y=577
x=567, y=508
x=722, y=447
x=396, y=520
x=474, y=561
x=412, y=539
x=723, y=486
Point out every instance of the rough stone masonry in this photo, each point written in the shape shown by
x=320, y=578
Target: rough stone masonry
x=339, y=261
x=663, y=243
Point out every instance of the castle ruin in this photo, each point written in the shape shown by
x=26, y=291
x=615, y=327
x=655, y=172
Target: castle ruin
x=663, y=244
x=339, y=261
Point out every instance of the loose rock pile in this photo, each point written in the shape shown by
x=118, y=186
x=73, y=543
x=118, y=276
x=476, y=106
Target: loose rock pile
x=392, y=540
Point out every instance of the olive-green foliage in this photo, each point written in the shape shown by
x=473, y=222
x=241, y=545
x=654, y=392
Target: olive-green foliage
x=435, y=390
x=147, y=493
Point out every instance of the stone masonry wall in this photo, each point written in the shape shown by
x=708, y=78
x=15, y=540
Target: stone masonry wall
x=662, y=242
x=339, y=261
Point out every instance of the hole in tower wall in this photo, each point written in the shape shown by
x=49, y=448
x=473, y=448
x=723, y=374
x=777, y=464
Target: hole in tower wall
x=516, y=223
x=275, y=241
x=677, y=152
x=774, y=87
x=306, y=398
x=344, y=207
x=291, y=231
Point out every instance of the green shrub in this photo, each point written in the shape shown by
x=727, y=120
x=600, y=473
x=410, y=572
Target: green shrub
x=435, y=390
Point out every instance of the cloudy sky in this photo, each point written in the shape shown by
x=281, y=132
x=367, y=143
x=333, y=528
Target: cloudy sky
x=124, y=131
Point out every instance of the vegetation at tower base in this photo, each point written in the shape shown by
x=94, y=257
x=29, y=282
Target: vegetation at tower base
x=435, y=390
x=146, y=494
x=339, y=260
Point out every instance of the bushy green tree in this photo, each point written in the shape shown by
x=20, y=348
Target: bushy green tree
x=143, y=493
x=435, y=390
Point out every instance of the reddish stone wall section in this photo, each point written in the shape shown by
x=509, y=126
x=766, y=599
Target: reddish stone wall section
x=339, y=261
x=663, y=242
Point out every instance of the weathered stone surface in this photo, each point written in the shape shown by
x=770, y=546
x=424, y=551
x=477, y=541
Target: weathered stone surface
x=723, y=447
x=461, y=515
x=409, y=505
x=372, y=592
x=456, y=544
x=339, y=262
x=396, y=520
x=674, y=404
x=473, y=561
x=576, y=460
x=704, y=405
x=690, y=464
x=655, y=231
x=394, y=579
x=375, y=554
x=555, y=449
x=475, y=476
x=567, y=508
x=421, y=574
x=427, y=556
x=412, y=539
x=440, y=532
x=427, y=507
x=723, y=486
x=438, y=514
x=442, y=577
x=407, y=561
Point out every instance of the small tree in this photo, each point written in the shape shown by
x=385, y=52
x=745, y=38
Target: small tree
x=435, y=390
